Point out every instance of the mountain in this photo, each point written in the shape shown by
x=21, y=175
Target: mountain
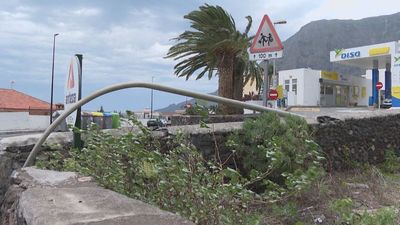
x=311, y=45
x=173, y=107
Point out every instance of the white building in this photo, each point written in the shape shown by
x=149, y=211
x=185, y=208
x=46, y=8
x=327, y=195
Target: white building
x=307, y=87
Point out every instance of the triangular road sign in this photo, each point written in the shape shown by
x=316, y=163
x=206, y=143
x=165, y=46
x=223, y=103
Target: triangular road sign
x=266, y=39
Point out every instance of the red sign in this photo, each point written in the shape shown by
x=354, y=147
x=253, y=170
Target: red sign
x=272, y=94
x=266, y=39
x=379, y=85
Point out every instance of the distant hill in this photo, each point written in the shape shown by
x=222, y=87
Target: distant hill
x=173, y=107
x=311, y=45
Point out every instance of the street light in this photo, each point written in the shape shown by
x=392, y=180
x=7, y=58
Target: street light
x=12, y=84
x=280, y=22
x=151, y=103
x=52, y=79
x=275, y=78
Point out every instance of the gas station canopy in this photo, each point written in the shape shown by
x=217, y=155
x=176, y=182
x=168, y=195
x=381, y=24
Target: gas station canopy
x=365, y=57
x=375, y=57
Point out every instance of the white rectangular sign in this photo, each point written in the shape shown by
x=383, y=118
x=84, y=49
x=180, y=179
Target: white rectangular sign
x=265, y=55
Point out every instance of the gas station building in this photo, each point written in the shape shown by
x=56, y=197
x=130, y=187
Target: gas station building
x=307, y=87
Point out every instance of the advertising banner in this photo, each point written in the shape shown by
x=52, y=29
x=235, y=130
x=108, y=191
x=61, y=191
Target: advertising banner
x=71, y=90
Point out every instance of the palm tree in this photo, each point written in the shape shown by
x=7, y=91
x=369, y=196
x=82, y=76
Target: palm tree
x=215, y=47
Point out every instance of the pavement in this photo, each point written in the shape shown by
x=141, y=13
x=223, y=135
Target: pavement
x=4, y=134
x=342, y=113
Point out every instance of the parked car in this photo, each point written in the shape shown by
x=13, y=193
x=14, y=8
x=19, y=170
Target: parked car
x=386, y=103
x=155, y=123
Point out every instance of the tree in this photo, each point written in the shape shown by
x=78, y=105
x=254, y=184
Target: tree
x=215, y=47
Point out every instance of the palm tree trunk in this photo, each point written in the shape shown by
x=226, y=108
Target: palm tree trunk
x=225, y=83
x=238, y=90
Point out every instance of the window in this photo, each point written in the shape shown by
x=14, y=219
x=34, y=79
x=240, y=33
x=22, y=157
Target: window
x=328, y=90
x=294, y=86
x=287, y=83
x=356, y=91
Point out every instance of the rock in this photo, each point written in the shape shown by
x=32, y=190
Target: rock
x=357, y=185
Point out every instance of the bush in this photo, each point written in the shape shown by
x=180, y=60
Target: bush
x=391, y=163
x=277, y=155
x=180, y=180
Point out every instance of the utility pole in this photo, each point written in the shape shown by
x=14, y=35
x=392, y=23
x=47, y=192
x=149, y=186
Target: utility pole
x=52, y=79
x=151, y=102
x=274, y=75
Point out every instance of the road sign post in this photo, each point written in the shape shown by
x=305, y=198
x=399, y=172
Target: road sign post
x=266, y=83
x=266, y=45
x=379, y=86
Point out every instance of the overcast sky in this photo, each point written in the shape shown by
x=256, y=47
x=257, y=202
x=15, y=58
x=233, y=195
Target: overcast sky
x=126, y=40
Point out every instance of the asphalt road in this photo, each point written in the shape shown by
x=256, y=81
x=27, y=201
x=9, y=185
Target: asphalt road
x=311, y=113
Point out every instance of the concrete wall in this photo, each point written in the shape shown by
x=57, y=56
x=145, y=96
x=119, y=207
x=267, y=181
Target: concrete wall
x=194, y=119
x=20, y=121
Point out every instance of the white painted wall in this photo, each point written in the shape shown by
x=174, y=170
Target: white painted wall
x=22, y=121
x=308, y=86
x=312, y=87
x=361, y=82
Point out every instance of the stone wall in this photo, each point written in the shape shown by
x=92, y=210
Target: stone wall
x=358, y=140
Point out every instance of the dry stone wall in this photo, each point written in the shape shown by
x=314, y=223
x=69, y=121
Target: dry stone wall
x=358, y=140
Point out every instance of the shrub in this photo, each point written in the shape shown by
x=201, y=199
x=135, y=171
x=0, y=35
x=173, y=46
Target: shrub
x=277, y=155
x=391, y=163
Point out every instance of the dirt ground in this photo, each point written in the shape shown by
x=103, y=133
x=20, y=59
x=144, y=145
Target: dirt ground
x=368, y=188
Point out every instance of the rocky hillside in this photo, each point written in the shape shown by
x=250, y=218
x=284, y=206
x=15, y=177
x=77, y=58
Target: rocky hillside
x=311, y=45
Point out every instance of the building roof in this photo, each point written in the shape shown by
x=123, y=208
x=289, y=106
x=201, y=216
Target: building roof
x=14, y=100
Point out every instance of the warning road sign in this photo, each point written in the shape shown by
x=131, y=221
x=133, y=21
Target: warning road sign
x=266, y=39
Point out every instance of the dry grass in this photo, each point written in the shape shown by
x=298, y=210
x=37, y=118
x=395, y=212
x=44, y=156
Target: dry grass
x=368, y=188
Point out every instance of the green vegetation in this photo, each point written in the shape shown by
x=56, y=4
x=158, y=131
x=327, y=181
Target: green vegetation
x=272, y=173
x=212, y=46
x=178, y=179
x=343, y=209
x=392, y=162
x=279, y=157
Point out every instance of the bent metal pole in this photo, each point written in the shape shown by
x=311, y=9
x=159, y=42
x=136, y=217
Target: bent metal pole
x=158, y=87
